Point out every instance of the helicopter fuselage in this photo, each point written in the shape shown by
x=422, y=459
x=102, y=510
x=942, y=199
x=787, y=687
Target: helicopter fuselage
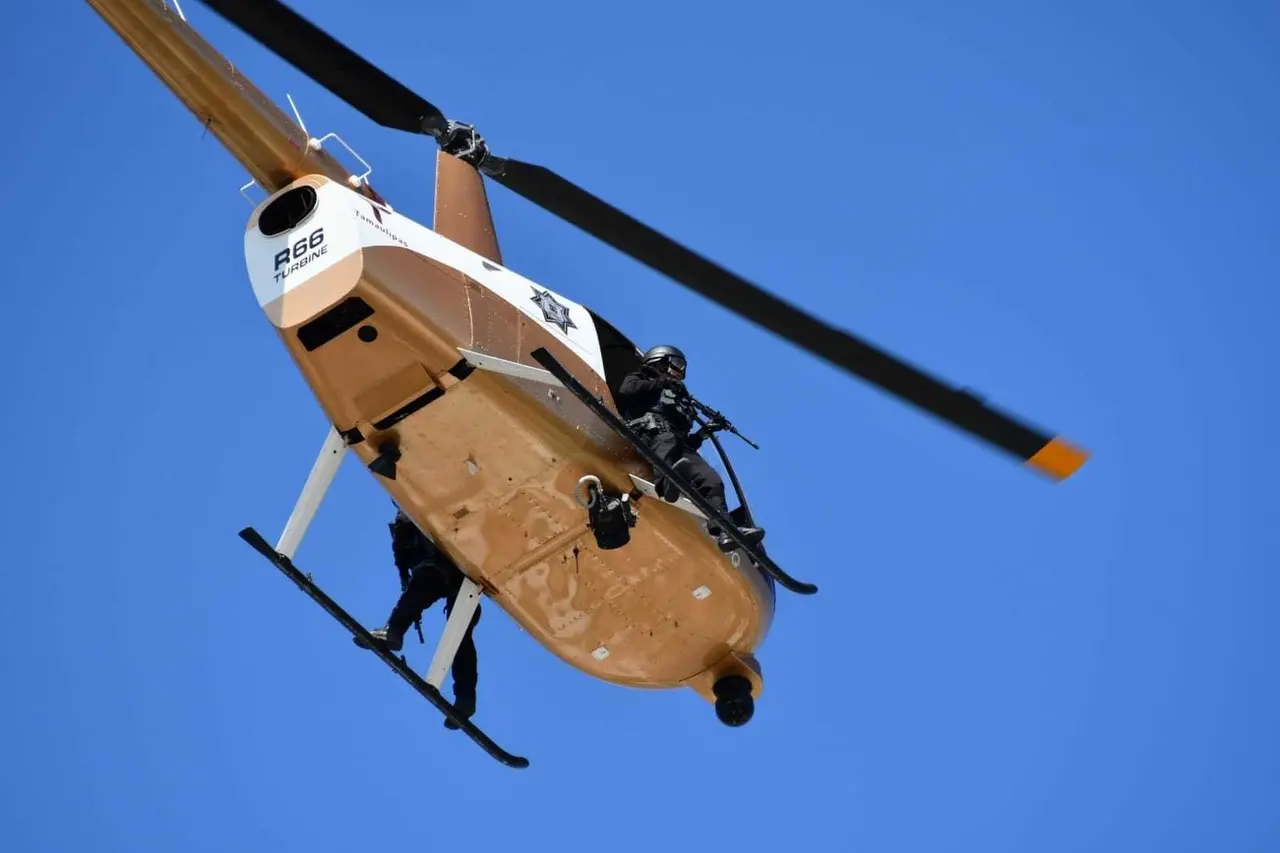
x=378, y=312
x=490, y=461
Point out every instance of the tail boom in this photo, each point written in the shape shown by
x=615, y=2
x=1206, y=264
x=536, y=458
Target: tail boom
x=267, y=142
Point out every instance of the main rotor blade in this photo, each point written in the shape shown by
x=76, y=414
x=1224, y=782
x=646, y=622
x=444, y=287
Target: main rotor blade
x=330, y=63
x=1050, y=455
x=389, y=103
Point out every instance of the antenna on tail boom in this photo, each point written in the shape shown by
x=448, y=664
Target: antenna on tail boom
x=314, y=144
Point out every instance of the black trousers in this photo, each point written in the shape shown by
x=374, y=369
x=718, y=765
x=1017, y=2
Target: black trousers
x=428, y=583
x=689, y=465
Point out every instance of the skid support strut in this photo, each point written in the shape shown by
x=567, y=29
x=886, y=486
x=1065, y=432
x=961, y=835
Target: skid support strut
x=313, y=492
x=464, y=607
x=281, y=556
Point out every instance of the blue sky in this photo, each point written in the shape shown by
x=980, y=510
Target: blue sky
x=1069, y=207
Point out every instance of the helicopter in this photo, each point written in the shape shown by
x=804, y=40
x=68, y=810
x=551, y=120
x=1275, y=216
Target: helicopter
x=483, y=402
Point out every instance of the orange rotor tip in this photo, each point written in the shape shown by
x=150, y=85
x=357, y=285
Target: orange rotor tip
x=1058, y=459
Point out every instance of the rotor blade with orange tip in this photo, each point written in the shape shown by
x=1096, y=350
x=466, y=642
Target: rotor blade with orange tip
x=957, y=406
x=1058, y=459
x=390, y=103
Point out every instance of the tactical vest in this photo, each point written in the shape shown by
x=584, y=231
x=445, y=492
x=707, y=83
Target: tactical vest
x=410, y=547
x=672, y=411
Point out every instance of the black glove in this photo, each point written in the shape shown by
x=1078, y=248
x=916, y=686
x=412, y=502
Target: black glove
x=695, y=440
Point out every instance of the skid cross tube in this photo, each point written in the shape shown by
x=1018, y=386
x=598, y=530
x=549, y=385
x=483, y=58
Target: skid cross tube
x=615, y=423
x=428, y=691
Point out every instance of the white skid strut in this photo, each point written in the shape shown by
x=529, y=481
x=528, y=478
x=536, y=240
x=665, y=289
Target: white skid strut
x=463, y=609
x=318, y=482
x=313, y=492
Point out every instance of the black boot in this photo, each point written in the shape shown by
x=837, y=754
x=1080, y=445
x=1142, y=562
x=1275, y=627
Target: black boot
x=667, y=490
x=393, y=640
x=465, y=704
x=753, y=535
x=681, y=467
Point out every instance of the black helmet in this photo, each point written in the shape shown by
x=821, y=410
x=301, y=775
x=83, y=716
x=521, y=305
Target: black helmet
x=672, y=355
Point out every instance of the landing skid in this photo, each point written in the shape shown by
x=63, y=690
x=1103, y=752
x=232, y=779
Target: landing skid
x=281, y=556
x=398, y=663
x=615, y=423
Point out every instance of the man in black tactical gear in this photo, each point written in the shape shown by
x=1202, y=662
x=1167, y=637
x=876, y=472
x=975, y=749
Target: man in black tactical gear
x=656, y=405
x=432, y=576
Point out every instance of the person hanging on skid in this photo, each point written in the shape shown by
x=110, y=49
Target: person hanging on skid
x=656, y=405
x=431, y=577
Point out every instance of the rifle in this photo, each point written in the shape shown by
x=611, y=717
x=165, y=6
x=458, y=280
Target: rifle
x=719, y=421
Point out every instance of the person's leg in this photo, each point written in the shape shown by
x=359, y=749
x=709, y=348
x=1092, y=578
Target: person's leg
x=426, y=586
x=671, y=449
x=708, y=482
x=702, y=477
x=465, y=668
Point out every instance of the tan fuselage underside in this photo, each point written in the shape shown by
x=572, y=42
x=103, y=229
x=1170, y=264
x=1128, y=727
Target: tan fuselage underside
x=489, y=468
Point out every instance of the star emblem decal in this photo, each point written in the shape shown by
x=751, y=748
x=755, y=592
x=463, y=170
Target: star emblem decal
x=552, y=311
